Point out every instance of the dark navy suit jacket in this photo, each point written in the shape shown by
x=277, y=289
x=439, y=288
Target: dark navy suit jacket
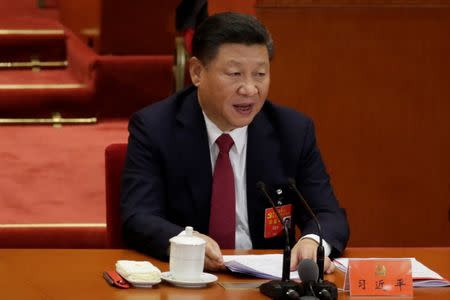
x=167, y=179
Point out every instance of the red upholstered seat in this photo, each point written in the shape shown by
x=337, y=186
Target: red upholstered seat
x=114, y=162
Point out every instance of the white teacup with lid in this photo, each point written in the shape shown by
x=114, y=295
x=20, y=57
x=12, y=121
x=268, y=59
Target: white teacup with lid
x=187, y=256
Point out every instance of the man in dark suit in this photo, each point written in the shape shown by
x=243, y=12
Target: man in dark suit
x=177, y=174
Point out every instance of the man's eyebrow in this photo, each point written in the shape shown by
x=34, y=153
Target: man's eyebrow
x=234, y=62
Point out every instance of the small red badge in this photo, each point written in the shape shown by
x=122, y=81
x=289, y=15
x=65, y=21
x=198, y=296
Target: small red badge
x=272, y=226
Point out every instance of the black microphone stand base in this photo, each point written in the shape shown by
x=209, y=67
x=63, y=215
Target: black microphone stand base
x=279, y=289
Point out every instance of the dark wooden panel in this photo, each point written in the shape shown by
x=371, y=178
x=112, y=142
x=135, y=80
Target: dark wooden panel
x=80, y=15
x=243, y=6
x=351, y=3
x=375, y=76
x=137, y=27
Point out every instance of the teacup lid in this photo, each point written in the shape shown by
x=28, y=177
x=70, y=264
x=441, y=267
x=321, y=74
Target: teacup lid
x=186, y=238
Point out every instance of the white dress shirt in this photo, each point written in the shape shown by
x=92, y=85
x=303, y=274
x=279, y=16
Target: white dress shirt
x=238, y=157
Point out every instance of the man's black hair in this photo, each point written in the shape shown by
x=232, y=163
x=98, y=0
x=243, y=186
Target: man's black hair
x=225, y=28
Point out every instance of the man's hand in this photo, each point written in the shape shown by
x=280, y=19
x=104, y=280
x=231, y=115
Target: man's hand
x=307, y=249
x=213, y=255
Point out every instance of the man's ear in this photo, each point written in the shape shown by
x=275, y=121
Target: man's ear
x=195, y=70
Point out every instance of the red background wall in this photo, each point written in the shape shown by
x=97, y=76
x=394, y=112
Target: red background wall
x=374, y=76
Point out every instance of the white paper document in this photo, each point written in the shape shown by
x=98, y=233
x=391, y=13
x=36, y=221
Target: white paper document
x=269, y=266
x=262, y=266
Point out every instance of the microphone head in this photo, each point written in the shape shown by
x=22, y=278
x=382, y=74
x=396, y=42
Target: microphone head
x=308, y=271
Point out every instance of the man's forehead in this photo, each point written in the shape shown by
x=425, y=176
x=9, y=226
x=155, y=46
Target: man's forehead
x=240, y=53
x=239, y=61
x=226, y=46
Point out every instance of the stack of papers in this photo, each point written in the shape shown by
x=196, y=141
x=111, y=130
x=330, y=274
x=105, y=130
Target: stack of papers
x=269, y=266
x=421, y=274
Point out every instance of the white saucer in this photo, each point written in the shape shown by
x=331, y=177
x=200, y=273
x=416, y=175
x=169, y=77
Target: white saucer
x=204, y=280
x=144, y=284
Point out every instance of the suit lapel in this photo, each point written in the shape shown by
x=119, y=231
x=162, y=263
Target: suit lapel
x=260, y=148
x=193, y=148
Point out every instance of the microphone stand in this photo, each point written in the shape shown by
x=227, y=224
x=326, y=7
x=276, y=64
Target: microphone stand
x=278, y=289
x=285, y=288
x=287, y=249
x=320, y=248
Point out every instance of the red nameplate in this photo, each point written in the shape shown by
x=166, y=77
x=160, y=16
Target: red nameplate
x=272, y=226
x=380, y=277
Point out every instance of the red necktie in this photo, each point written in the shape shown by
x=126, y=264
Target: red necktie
x=222, y=219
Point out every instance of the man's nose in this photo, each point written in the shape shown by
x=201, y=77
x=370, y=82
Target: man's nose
x=248, y=89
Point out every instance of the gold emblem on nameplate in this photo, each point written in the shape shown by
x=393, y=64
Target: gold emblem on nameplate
x=380, y=270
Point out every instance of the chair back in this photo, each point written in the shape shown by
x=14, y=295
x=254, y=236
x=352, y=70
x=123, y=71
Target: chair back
x=114, y=163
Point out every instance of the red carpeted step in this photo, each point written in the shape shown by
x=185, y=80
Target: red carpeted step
x=25, y=93
x=26, y=39
x=20, y=48
x=56, y=78
x=52, y=184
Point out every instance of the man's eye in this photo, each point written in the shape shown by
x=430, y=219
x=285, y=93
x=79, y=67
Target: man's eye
x=261, y=74
x=234, y=74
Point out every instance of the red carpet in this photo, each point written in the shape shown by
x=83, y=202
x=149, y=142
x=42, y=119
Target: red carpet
x=55, y=175
x=30, y=77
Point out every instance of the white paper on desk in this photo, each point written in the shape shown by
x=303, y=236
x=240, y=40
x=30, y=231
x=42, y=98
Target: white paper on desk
x=421, y=274
x=267, y=266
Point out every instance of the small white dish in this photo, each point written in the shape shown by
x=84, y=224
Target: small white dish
x=204, y=280
x=144, y=284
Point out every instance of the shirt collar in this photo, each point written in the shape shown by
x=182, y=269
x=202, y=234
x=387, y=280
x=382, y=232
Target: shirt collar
x=239, y=135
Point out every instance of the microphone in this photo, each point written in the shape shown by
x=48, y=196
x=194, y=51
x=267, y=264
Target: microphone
x=308, y=272
x=320, y=248
x=284, y=288
x=286, y=226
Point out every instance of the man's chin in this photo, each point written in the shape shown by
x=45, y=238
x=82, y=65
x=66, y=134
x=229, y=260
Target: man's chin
x=242, y=123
